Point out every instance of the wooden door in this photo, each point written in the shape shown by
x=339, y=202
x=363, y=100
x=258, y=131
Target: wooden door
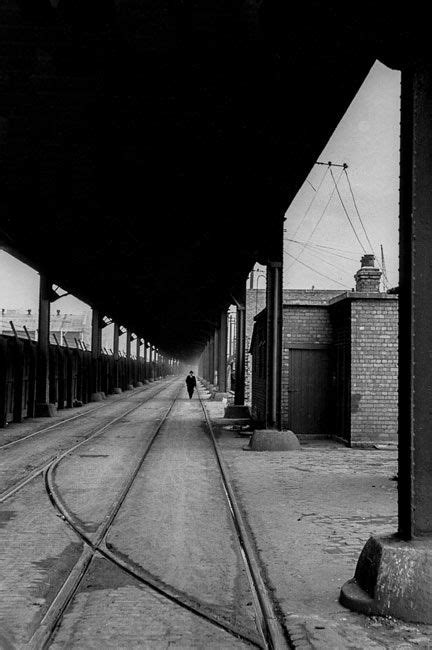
x=310, y=390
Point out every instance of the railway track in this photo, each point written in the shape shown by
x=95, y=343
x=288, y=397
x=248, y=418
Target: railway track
x=270, y=634
x=268, y=622
x=56, y=425
x=93, y=433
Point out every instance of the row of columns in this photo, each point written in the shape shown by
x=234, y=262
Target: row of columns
x=46, y=297
x=213, y=364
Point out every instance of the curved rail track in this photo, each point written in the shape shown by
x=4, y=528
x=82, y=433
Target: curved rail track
x=270, y=635
x=56, y=425
x=93, y=433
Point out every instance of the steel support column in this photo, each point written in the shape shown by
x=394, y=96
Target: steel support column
x=116, y=338
x=415, y=307
x=211, y=359
x=207, y=361
x=393, y=574
x=42, y=388
x=240, y=349
x=274, y=344
x=223, y=353
x=96, y=345
x=116, y=378
x=145, y=373
x=216, y=371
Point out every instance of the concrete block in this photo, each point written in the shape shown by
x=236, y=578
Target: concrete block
x=96, y=397
x=116, y=391
x=273, y=440
x=129, y=387
x=219, y=397
x=237, y=412
x=392, y=578
x=45, y=410
x=139, y=384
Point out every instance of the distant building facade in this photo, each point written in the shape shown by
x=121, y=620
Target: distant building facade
x=70, y=329
x=340, y=362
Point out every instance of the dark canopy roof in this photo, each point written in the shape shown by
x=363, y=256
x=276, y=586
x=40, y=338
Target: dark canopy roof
x=150, y=149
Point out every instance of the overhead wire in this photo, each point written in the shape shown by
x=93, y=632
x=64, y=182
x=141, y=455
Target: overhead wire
x=346, y=211
x=323, y=259
x=308, y=244
x=385, y=279
x=311, y=201
x=321, y=217
x=329, y=250
x=316, y=271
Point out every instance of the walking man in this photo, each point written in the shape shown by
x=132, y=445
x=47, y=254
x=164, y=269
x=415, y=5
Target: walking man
x=190, y=383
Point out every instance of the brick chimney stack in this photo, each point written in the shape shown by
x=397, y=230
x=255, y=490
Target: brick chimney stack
x=368, y=276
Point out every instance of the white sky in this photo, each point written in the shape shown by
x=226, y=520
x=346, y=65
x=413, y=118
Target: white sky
x=367, y=139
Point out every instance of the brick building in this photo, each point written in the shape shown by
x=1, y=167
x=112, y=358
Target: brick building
x=339, y=367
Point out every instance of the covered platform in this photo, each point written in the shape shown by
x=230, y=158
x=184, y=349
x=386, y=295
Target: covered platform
x=148, y=154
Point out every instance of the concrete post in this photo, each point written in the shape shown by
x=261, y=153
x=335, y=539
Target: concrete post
x=43, y=408
x=274, y=344
x=223, y=353
x=394, y=573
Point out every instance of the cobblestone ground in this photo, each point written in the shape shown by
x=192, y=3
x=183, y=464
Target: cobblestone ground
x=173, y=527
x=37, y=553
x=19, y=460
x=14, y=431
x=113, y=610
x=310, y=513
x=89, y=480
x=176, y=525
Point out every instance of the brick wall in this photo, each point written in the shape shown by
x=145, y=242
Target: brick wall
x=362, y=330
x=256, y=302
x=374, y=370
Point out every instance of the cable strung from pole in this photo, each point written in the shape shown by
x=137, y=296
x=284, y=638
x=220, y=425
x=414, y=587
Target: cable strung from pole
x=357, y=210
x=311, y=201
x=320, y=219
x=326, y=249
x=316, y=271
x=346, y=212
x=385, y=279
x=323, y=259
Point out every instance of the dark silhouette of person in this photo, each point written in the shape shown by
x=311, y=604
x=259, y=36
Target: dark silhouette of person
x=190, y=384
